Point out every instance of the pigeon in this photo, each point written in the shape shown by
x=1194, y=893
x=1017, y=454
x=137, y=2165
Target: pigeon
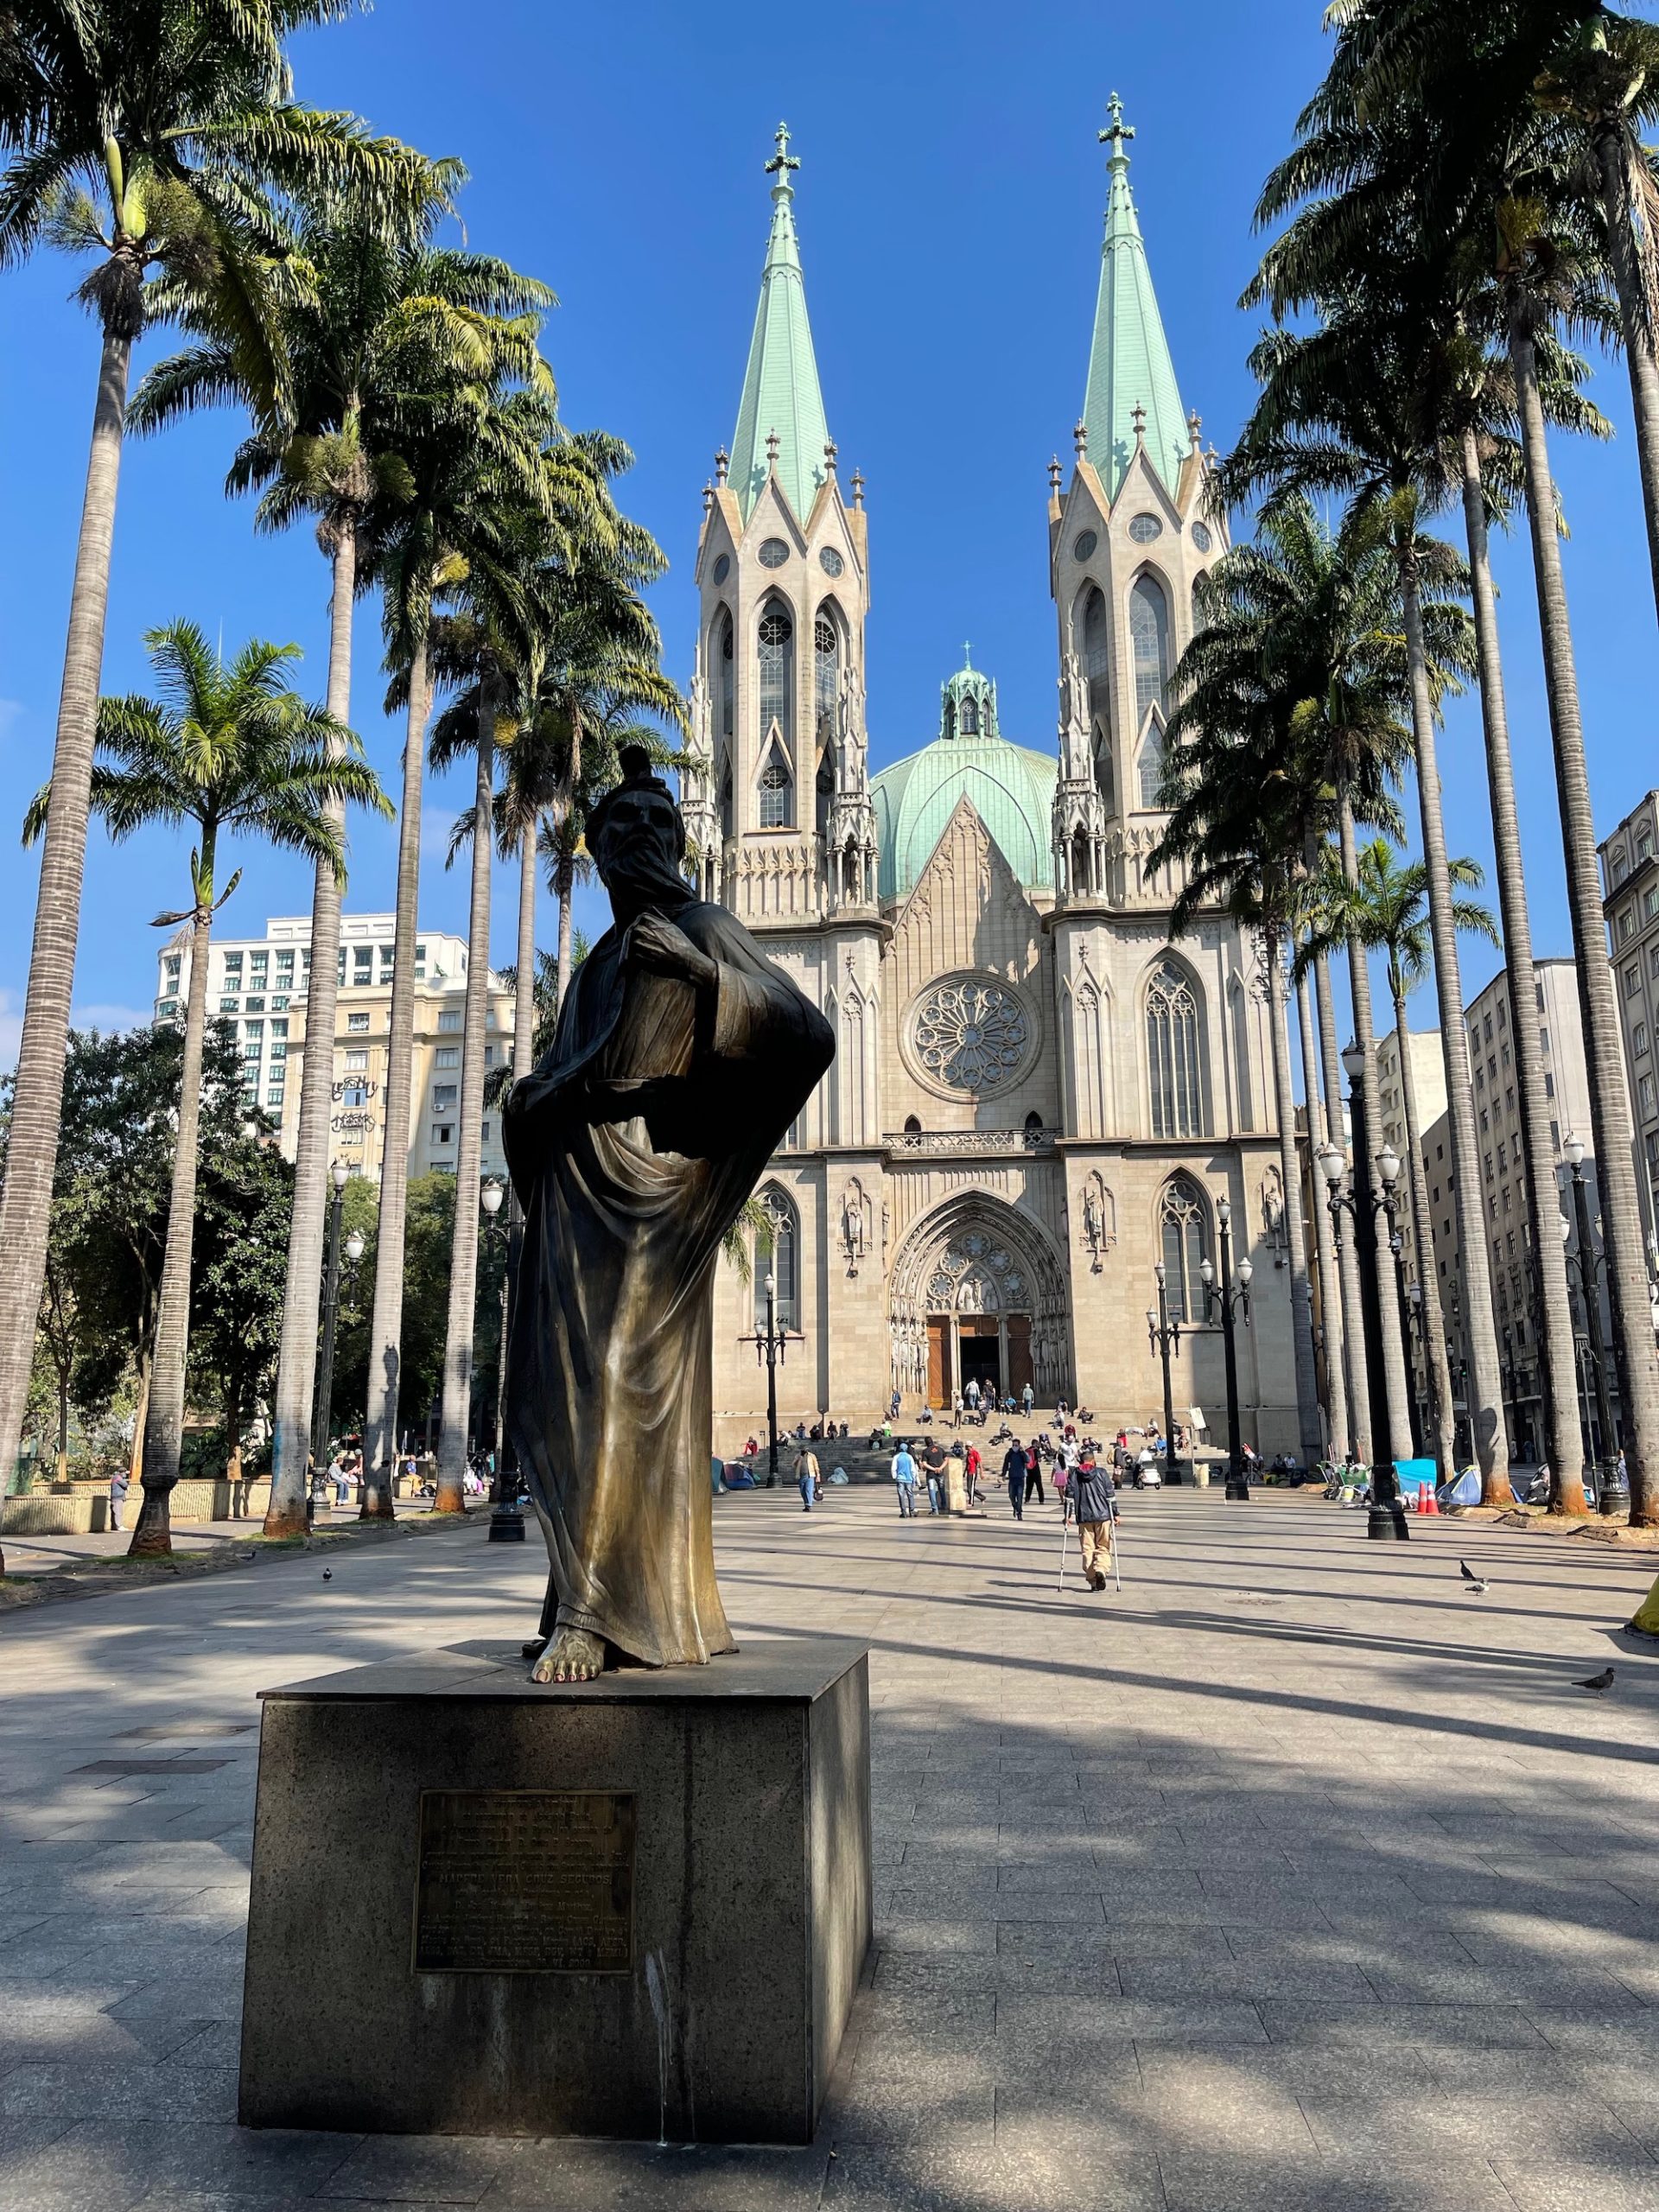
x=1478, y=1584
x=327, y=1573
x=1599, y=1683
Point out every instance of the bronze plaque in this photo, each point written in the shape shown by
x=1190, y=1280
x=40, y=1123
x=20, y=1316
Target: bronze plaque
x=525, y=1881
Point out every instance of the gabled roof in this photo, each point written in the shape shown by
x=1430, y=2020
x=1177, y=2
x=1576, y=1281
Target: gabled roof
x=781, y=397
x=1129, y=364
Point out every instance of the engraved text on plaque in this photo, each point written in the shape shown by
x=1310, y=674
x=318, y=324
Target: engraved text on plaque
x=525, y=1881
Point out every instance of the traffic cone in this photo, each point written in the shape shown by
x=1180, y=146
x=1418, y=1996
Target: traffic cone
x=1431, y=1503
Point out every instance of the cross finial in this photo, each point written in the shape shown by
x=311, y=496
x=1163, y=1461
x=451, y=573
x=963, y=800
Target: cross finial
x=1194, y=424
x=1080, y=436
x=967, y=658
x=723, y=465
x=772, y=448
x=783, y=160
x=1117, y=133
x=1138, y=417
x=858, y=488
x=830, y=449
x=1054, y=472
x=707, y=497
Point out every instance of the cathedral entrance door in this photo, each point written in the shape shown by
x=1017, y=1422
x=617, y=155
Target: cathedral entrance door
x=980, y=1347
x=940, y=1366
x=1019, y=1368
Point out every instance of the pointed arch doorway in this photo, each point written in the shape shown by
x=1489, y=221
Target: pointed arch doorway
x=977, y=1296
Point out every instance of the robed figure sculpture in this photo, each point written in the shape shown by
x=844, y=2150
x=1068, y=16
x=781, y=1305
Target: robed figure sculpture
x=681, y=1058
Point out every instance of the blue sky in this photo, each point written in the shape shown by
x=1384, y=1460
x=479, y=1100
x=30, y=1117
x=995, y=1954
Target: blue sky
x=949, y=210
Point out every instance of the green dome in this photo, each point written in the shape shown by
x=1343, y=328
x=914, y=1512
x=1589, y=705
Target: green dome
x=1010, y=787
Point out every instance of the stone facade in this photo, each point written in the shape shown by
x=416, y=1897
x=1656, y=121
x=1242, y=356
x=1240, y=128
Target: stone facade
x=1036, y=1096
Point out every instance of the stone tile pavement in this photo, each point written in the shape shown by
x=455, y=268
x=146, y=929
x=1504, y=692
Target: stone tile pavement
x=1290, y=1876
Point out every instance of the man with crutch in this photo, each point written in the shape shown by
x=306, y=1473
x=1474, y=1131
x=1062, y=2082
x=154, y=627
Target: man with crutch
x=1089, y=1498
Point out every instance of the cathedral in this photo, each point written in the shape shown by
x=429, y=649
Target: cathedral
x=1037, y=1096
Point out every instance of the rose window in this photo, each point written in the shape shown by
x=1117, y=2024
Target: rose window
x=971, y=1035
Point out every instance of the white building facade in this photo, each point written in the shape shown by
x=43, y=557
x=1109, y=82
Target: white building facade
x=1036, y=1096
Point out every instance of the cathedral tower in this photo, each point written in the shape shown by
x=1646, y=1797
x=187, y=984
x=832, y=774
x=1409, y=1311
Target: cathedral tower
x=777, y=784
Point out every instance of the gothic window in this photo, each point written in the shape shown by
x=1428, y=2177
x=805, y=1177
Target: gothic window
x=1152, y=768
x=1096, y=654
x=1149, y=643
x=970, y=718
x=826, y=667
x=1174, y=1066
x=777, y=790
x=1184, y=1244
x=726, y=675
x=777, y=1249
x=776, y=651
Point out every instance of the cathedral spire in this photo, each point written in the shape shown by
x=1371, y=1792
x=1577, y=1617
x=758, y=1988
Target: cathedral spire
x=1129, y=365
x=781, y=412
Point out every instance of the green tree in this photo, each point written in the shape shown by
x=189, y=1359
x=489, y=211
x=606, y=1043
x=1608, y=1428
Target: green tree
x=232, y=750
x=158, y=138
x=1386, y=908
x=244, y=1207
x=1485, y=192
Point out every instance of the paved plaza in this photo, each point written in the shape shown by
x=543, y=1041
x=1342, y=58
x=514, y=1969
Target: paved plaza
x=1289, y=1876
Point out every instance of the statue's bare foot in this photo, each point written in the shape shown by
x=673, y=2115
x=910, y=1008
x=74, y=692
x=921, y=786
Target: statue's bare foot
x=572, y=1656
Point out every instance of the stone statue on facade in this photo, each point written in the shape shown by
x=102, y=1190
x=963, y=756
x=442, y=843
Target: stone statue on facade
x=681, y=1058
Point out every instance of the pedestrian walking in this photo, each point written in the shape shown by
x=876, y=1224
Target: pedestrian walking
x=1090, y=1488
x=120, y=1482
x=971, y=1394
x=1027, y=1400
x=806, y=1478
x=893, y=1404
x=1014, y=1468
x=904, y=1481
x=1033, y=1476
x=974, y=1463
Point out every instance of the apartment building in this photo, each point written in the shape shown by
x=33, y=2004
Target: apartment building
x=1509, y=1226
x=260, y=987
x=1428, y=1082
x=1629, y=878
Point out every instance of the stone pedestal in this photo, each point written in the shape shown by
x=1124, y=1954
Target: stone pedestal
x=636, y=1907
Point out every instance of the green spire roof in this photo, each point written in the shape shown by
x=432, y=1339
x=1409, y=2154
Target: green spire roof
x=781, y=397
x=1130, y=366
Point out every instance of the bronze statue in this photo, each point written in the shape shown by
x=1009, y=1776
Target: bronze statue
x=681, y=1058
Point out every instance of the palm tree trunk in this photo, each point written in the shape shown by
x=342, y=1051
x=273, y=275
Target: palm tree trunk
x=387, y=1321
x=1355, y=1363
x=1301, y=1305
x=463, y=1248
x=523, y=997
x=37, y=1091
x=1340, y=1437
x=1563, y=1438
x=164, y=1427
x=1612, y=158
x=1369, y=1223
x=1480, y=1325
x=1442, y=1418
x=1627, y=1273
x=565, y=882
x=296, y=1358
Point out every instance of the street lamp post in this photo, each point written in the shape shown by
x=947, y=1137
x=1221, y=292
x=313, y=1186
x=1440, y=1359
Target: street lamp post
x=322, y=1412
x=1419, y=1339
x=506, y=1517
x=1388, y=1515
x=1232, y=1295
x=769, y=1345
x=1163, y=1335
x=1590, y=1291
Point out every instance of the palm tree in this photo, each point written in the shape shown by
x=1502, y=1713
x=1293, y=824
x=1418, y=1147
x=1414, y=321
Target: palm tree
x=230, y=748
x=1301, y=646
x=1386, y=908
x=380, y=309
x=1367, y=212
x=1340, y=411
x=472, y=453
x=1339, y=1408
x=153, y=139
x=1488, y=191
